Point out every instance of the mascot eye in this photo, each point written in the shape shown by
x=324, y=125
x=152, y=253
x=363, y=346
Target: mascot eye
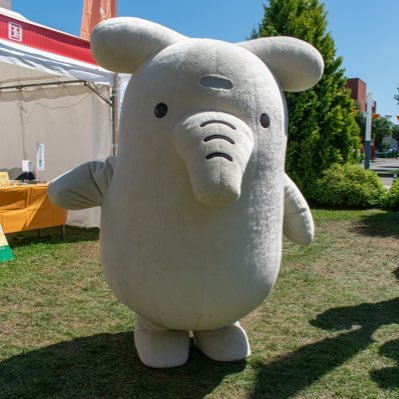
x=161, y=110
x=265, y=120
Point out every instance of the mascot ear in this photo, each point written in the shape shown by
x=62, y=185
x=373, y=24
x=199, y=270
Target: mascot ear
x=297, y=65
x=123, y=44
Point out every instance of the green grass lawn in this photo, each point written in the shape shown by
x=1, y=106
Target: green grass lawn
x=330, y=328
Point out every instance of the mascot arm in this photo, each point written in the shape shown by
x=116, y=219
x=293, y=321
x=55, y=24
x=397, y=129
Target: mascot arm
x=82, y=187
x=298, y=222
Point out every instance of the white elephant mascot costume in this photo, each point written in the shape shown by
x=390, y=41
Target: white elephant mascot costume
x=195, y=204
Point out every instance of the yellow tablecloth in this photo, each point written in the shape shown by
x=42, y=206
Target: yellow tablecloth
x=27, y=207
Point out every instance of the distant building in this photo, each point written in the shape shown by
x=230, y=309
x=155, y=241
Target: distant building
x=358, y=90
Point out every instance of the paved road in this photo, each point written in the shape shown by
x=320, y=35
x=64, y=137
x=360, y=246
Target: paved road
x=381, y=164
x=386, y=181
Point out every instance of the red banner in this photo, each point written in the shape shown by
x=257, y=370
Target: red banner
x=46, y=39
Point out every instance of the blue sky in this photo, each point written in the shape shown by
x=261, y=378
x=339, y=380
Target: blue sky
x=364, y=30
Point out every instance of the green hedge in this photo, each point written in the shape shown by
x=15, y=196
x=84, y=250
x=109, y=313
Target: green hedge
x=349, y=186
x=391, y=199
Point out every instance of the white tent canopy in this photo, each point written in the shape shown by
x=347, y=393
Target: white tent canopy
x=51, y=93
x=26, y=65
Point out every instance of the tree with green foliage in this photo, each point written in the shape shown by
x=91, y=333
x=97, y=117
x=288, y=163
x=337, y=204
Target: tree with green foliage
x=395, y=132
x=396, y=96
x=360, y=119
x=395, y=128
x=380, y=128
x=322, y=128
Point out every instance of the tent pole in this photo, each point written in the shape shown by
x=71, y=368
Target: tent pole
x=55, y=83
x=115, y=101
x=89, y=85
x=95, y=90
x=115, y=114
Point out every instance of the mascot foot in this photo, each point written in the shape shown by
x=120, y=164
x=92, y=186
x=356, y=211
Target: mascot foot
x=227, y=344
x=158, y=347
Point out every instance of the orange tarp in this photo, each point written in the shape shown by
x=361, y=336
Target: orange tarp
x=28, y=207
x=94, y=12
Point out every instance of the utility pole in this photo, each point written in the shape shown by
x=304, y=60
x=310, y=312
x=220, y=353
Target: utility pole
x=367, y=136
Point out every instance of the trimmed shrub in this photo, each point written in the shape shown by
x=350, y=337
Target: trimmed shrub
x=348, y=186
x=391, y=199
